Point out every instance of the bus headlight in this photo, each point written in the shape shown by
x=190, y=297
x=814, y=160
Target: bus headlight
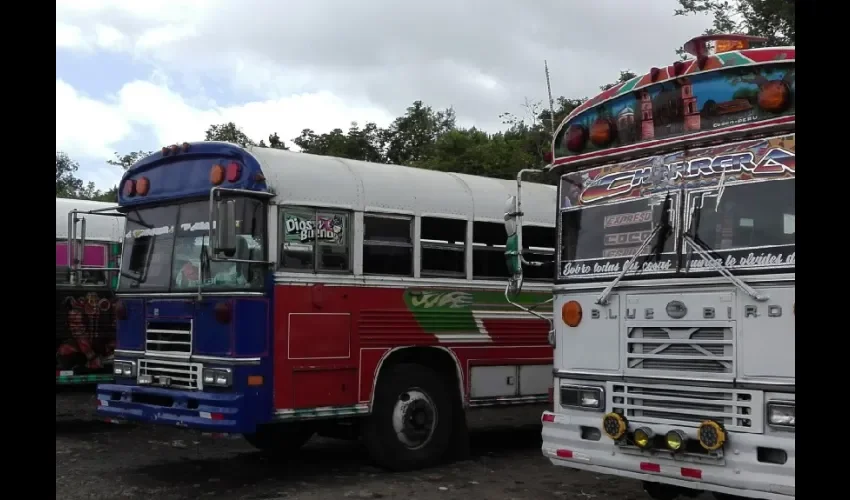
x=221, y=377
x=781, y=414
x=584, y=397
x=124, y=368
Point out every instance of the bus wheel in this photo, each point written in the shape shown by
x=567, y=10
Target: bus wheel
x=410, y=424
x=280, y=438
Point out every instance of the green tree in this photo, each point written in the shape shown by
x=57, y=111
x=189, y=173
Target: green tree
x=772, y=19
x=126, y=161
x=411, y=137
x=228, y=132
x=274, y=142
x=67, y=184
x=364, y=144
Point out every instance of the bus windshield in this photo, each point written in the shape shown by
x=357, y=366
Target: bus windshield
x=599, y=239
x=164, y=249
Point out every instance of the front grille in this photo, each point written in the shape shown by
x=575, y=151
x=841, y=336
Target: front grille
x=665, y=349
x=169, y=338
x=173, y=374
x=686, y=406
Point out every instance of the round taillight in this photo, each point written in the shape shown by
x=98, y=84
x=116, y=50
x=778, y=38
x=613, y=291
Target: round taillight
x=217, y=174
x=571, y=313
x=165, y=150
x=774, y=96
x=576, y=138
x=175, y=149
x=185, y=147
x=223, y=312
x=129, y=188
x=143, y=186
x=678, y=68
x=120, y=310
x=234, y=172
x=603, y=132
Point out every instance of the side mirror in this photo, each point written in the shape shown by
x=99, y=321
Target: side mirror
x=513, y=257
x=225, y=228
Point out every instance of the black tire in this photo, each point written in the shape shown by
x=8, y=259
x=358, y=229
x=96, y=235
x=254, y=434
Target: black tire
x=384, y=445
x=280, y=439
x=659, y=491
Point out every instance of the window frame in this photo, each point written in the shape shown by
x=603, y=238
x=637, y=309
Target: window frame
x=395, y=244
x=315, y=212
x=676, y=203
x=484, y=247
x=709, y=195
x=429, y=244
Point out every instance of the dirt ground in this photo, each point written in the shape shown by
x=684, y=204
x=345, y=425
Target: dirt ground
x=97, y=460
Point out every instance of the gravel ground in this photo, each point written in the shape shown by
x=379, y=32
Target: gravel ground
x=96, y=460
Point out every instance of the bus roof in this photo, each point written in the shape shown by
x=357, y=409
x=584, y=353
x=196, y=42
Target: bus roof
x=689, y=102
x=305, y=179
x=378, y=187
x=98, y=227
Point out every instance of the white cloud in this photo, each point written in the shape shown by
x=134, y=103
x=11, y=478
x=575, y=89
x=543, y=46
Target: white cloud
x=90, y=130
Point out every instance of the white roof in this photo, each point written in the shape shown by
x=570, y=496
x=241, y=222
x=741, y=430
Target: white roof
x=98, y=227
x=304, y=179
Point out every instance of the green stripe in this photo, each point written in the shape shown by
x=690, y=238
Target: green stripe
x=629, y=85
x=732, y=59
x=83, y=379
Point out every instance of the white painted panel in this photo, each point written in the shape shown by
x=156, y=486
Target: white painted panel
x=535, y=380
x=493, y=381
x=767, y=337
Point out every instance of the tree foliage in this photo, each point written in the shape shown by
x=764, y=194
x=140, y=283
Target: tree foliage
x=772, y=19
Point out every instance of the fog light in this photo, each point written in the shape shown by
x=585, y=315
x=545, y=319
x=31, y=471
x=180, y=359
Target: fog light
x=711, y=435
x=614, y=425
x=643, y=437
x=145, y=379
x=124, y=368
x=675, y=440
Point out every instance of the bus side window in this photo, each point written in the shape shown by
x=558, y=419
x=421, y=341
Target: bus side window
x=443, y=244
x=488, y=251
x=538, y=244
x=296, y=237
x=333, y=242
x=388, y=245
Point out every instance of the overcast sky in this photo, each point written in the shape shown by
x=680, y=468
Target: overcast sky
x=139, y=74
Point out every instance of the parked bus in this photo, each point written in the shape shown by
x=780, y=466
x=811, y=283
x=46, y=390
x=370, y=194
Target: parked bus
x=85, y=319
x=675, y=289
x=330, y=294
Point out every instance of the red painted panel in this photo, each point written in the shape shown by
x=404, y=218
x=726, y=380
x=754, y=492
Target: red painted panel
x=369, y=359
x=324, y=388
x=319, y=335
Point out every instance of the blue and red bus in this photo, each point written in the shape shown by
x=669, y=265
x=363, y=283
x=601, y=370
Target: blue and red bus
x=277, y=294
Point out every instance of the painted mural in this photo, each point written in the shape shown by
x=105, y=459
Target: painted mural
x=85, y=331
x=689, y=104
x=609, y=213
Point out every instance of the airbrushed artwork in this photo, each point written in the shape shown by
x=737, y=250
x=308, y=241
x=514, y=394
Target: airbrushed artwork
x=639, y=111
x=609, y=212
x=85, y=331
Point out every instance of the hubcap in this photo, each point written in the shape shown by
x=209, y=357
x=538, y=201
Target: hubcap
x=414, y=418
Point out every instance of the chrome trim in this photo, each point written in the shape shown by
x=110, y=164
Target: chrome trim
x=128, y=352
x=511, y=401
x=606, y=377
x=181, y=295
x=227, y=361
x=324, y=412
x=652, y=282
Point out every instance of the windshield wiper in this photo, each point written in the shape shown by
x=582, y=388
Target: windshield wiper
x=696, y=244
x=663, y=225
